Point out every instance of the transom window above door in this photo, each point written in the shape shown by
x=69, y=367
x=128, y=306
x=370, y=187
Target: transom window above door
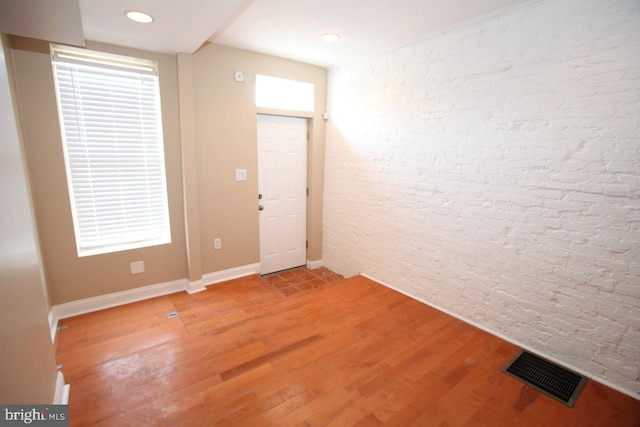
x=284, y=94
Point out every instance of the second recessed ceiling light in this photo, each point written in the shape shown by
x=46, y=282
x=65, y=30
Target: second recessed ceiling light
x=330, y=37
x=141, y=17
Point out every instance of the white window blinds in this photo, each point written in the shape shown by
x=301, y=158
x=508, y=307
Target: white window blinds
x=111, y=126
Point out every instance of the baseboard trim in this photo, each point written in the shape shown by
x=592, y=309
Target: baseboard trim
x=89, y=305
x=61, y=394
x=509, y=339
x=231, y=273
x=195, y=287
x=312, y=265
x=53, y=324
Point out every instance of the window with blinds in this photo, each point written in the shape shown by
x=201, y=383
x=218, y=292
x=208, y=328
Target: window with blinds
x=109, y=108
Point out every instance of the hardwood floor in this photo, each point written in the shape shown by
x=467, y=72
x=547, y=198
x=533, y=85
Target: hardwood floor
x=352, y=353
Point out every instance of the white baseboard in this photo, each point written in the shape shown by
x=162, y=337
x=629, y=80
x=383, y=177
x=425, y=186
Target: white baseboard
x=89, y=305
x=53, y=324
x=196, y=286
x=61, y=394
x=231, y=273
x=509, y=339
x=312, y=265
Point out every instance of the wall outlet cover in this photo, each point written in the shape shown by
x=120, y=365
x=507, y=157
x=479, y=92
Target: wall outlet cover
x=137, y=267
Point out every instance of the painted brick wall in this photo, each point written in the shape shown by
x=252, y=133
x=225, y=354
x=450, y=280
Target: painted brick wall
x=493, y=170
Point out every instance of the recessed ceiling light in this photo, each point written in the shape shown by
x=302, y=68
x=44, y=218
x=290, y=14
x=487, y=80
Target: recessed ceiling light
x=137, y=16
x=330, y=37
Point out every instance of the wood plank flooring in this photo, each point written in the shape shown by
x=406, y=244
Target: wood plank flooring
x=351, y=353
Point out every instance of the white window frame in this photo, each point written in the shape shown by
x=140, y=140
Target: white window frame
x=111, y=125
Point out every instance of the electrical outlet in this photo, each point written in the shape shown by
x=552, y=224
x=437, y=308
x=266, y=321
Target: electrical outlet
x=217, y=244
x=137, y=267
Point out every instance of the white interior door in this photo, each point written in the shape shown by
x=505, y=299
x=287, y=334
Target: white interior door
x=282, y=182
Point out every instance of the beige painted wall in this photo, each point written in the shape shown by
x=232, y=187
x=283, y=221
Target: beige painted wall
x=27, y=363
x=70, y=277
x=226, y=139
x=210, y=130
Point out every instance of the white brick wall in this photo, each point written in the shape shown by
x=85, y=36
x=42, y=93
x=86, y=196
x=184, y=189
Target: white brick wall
x=494, y=170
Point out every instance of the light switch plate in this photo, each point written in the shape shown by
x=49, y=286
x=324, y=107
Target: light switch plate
x=241, y=174
x=238, y=76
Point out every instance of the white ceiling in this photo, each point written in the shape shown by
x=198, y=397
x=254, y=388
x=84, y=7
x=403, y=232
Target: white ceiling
x=292, y=28
x=286, y=28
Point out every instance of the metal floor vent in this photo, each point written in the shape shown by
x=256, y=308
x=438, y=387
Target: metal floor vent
x=549, y=378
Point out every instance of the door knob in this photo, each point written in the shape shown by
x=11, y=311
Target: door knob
x=260, y=207
x=259, y=196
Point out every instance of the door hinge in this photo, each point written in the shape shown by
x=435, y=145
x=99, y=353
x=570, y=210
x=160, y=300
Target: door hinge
x=307, y=191
x=307, y=244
